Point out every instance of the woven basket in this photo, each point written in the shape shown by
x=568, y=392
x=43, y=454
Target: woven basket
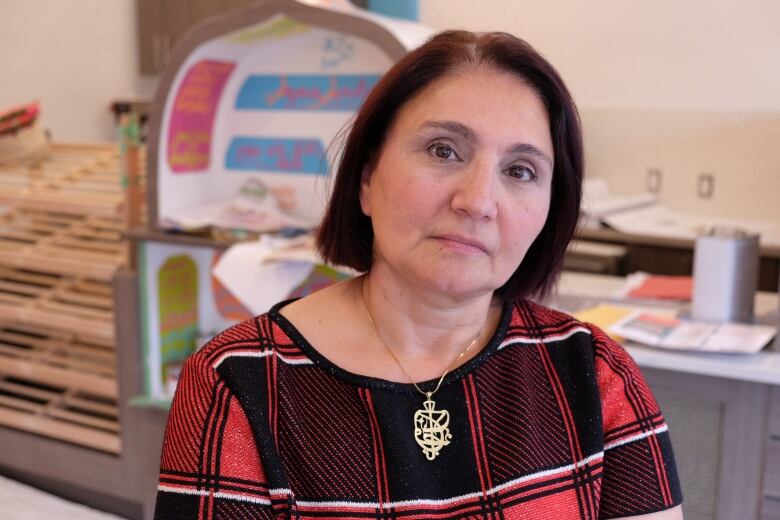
x=24, y=147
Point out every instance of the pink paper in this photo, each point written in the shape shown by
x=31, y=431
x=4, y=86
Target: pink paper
x=664, y=288
x=192, y=118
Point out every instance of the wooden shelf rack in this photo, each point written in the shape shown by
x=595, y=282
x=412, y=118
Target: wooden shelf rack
x=76, y=178
x=61, y=242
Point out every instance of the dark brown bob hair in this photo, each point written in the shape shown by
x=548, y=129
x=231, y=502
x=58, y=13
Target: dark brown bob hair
x=346, y=237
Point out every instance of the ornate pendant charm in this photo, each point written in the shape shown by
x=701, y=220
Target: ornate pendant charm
x=431, y=428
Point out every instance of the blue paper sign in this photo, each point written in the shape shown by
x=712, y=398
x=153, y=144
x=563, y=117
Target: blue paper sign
x=305, y=92
x=304, y=156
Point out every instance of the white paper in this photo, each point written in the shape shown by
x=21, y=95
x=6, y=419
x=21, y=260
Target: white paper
x=752, y=338
x=661, y=221
x=235, y=214
x=257, y=284
x=689, y=335
x=676, y=334
x=656, y=220
x=598, y=202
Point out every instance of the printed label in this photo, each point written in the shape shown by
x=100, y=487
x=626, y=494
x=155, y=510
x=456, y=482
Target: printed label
x=306, y=156
x=305, y=92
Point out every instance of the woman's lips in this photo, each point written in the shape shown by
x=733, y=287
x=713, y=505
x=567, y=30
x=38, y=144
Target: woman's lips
x=462, y=243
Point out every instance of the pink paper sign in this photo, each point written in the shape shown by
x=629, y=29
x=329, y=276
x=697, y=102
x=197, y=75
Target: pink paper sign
x=192, y=118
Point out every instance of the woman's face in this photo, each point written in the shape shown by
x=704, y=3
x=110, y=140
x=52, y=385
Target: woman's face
x=461, y=187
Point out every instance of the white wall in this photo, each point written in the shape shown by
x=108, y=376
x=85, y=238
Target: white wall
x=717, y=55
x=688, y=87
x=739, y=150
x=75, y=57
x=713, y=55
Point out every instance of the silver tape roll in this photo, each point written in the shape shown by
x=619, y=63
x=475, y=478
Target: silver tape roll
x=725, y=276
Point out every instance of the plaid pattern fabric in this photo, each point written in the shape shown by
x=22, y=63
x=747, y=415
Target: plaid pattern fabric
x=552, y=420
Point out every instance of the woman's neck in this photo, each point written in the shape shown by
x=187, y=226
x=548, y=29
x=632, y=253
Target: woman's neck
x=421, y=325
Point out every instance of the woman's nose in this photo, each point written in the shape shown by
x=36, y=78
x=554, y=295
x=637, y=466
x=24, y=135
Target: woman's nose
x=475, y=192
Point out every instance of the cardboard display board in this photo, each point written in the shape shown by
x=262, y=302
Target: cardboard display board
x=180, y=305
x=246, y=122
x=183, y=303
x=240, y=135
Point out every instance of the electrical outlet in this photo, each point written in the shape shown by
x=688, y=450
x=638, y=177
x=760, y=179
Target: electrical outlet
x=705, y=185
x=653, y=180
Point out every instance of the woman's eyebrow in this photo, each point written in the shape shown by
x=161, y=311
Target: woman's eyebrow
x=531, y=150
x=469, y=134
x=454, y=127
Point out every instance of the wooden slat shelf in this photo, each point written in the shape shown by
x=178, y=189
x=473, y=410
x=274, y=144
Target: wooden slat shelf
x=80, y=179
x=62, y=243
x=51, y=356
x=68, y=303
x=60, y=412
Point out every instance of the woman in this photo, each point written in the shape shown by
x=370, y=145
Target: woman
x=430, y=387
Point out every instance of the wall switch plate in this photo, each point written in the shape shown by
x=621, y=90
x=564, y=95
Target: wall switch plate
x=653, y=180
x=705, y=185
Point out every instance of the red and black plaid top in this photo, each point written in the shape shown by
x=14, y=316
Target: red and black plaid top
x=551, y=420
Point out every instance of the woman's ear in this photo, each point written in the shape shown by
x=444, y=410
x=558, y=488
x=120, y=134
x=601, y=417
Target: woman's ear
x=365, y=191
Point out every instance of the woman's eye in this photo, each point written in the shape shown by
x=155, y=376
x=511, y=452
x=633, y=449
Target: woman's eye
x=520, y=172
x=442, y=151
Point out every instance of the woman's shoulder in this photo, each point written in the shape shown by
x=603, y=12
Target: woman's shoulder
x=251, y=335
x=536, y=322
x=540, y=322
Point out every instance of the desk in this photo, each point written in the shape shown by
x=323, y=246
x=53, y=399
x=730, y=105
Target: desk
x=673, y=256
x=723, y=413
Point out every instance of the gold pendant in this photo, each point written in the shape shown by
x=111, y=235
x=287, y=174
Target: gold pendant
x=431, y=428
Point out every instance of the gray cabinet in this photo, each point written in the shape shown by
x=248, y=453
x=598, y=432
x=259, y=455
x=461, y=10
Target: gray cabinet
x=770, y=506
x=726, y=443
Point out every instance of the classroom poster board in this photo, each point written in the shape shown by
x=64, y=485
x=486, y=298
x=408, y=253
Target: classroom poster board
x=249, y=122
x=183, y=305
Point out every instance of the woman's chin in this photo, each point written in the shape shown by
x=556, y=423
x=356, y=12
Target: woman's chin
x=458, y=280
x=458, y=286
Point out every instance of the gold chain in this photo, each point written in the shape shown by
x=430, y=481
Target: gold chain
x=379, y=335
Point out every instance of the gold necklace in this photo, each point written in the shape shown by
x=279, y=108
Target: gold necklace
x=431, y=426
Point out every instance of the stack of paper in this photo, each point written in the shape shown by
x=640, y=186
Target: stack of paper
x=674, y=333
x=598, y=202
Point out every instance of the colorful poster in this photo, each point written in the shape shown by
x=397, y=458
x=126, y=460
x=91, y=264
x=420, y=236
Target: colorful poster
x=305, y=92
x=306, y=156
x=177, y=285
x=192, y=117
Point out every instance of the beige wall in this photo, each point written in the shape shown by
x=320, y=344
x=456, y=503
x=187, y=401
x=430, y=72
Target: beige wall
x=712, y=55
x=684, y=86
x=688, y=87
x=740, y=151
x=75, y=56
